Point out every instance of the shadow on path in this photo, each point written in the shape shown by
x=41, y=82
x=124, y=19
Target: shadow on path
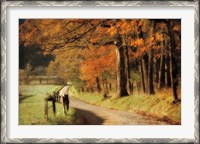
x=89, y=117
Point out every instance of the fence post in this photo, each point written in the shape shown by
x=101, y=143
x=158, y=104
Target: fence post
x=54, y=107
x=46, y=108
x=47, y=80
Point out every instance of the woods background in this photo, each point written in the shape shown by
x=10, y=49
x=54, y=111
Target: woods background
x=119, y=55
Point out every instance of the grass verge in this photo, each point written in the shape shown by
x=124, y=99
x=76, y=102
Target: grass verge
x=158, y=106
x=31, y=107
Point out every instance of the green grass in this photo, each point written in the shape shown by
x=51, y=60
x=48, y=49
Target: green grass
x=158, y=106
x=31, y=107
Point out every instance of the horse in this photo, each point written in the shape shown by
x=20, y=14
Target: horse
x=64, y=94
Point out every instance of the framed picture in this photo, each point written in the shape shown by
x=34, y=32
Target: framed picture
x=100, y=71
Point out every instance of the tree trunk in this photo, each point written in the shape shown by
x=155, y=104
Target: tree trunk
x=128, y=71
x=121, y=76
x=92, y=90
x=127, y=66
x=103, y=82
x=47, y=80
x=173, y=65
x=167, y=65
x=161, y=83
x=98, y=85
x=106, y=83
x=157, y=66
x=132, y=87
x=150, y=64
x=116, y=83
x=142, y=75
x=145, y=72
x=110, y=86
x=82, y=89
x=138, y=87
x=150, y=73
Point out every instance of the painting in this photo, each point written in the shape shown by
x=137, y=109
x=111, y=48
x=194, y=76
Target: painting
x=116, y=71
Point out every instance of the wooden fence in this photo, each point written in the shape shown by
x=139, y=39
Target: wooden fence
x=52, y=98
x=39, y=80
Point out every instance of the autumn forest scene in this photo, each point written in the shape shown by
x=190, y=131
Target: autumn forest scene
x=99, y=71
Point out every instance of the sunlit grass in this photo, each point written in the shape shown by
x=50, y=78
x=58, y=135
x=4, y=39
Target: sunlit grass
x=31, y=107
x=159, y=105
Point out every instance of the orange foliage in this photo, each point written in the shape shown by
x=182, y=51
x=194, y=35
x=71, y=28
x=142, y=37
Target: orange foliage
x=98, y=61
x=159, y=37
x=112, y=31
x=100, y=57
x=177, y=28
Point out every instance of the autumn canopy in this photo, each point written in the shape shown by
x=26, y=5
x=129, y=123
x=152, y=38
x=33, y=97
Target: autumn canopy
x=105, y=54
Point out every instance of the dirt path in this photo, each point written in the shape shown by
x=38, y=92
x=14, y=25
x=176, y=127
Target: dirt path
x=96, y=115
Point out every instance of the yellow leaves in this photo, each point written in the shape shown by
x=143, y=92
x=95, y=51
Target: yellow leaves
x=159, y=37
x=118, y=24
x=132, y=43
x=111, y=47
x=95, y=22
x=45, y=22
x=150, y=40
x=28, y=36
x=145, y=24
x=140, y=51
x=123, y=27
x=101, y=50
x=143, y=49
x=98, y=61
x=137, y=42
x=141, y=22
x=57, y=28
x=91, y=47
x=177, y=28
x=112, y=31
x=155, y=47
x=133, y=23
x=45, y=34
x=126, y=26
x=101, y=31
x=94, y=40
x=163, y=25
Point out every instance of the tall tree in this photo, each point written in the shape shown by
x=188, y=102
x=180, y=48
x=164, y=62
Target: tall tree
x=161, y=82
x=127, y=65
x=150, y=64
x=121, y=76
x=173, y=64
x=142, y=75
